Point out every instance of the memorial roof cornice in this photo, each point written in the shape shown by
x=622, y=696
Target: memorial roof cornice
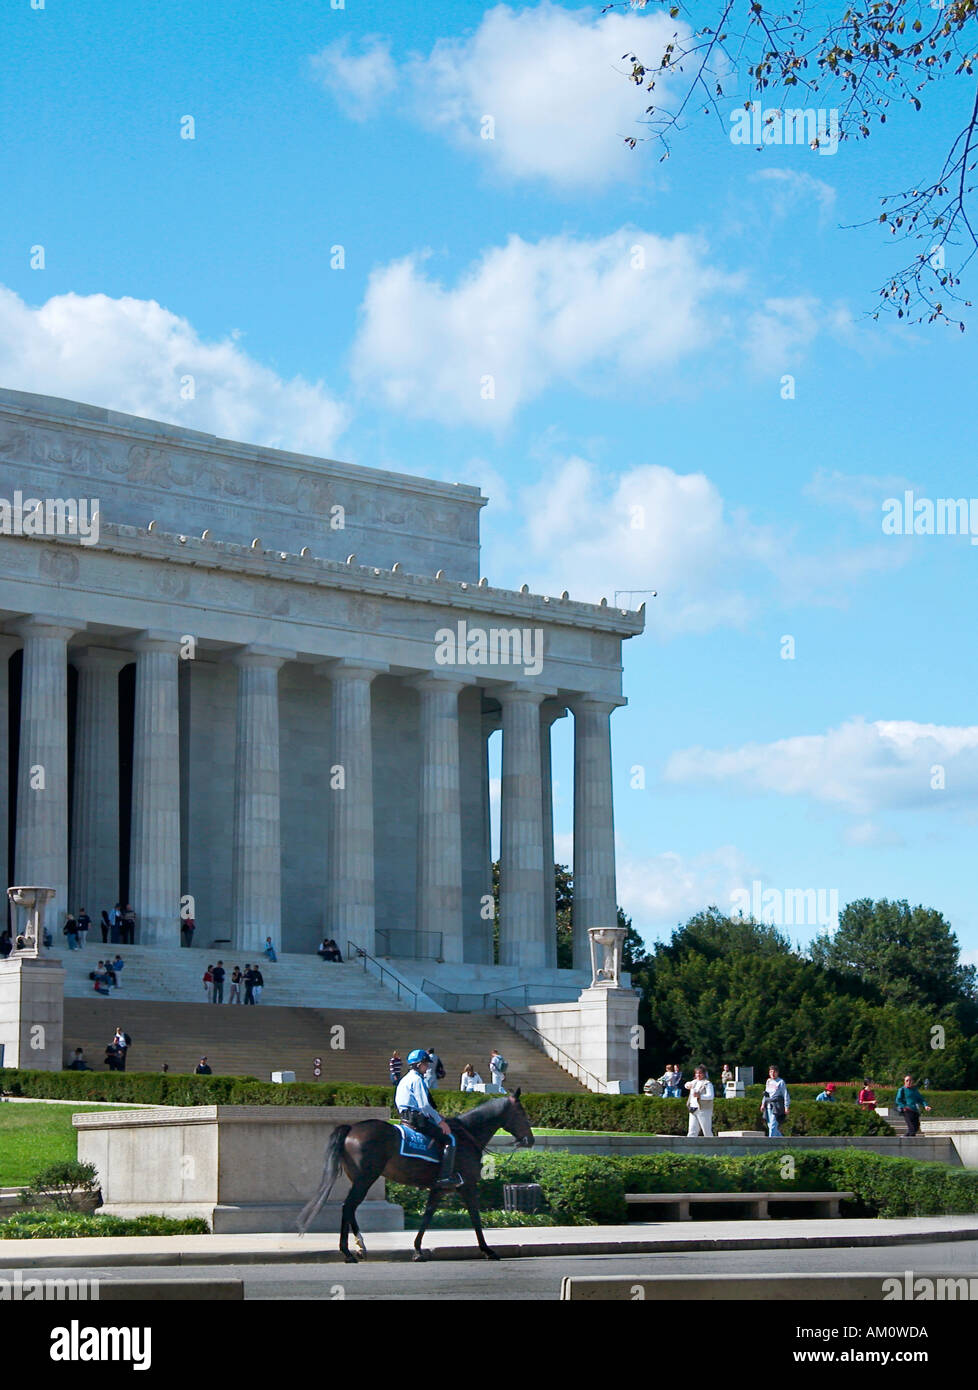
x=35, y=409
x=228, y=556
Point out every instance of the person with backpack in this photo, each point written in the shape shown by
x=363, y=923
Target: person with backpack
x=436, y=1070
x=497, y=1068
x=71, y=932
x=258, y=986
x=775, y=1103
x=249, y=977
x=122, y=1042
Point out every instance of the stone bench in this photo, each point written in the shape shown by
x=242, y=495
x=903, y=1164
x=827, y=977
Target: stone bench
x=825, y=1203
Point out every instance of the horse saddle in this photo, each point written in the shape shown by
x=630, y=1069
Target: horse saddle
x=414, y=1144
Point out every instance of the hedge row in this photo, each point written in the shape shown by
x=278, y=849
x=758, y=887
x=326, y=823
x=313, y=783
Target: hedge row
x=945, y=1105
x=554, y=1110
x=582, y=1190
x=45, y=1225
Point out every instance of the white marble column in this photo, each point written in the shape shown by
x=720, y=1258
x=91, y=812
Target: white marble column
x=41, y=849
x=439, y=896
x=94, y=851
x=8, y=645
x=256, y=863
x=154, y=861
x=491, y=721
x=595, y=899
x=521, y=869
x=550, y=712
x=350, y=807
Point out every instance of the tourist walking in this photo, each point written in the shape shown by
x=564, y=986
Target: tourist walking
x=208, y=982
x=128, y=926
x=436, y=1070
x=115, y=925
x=671, y=1080
x=71, y=932
x=775, y=1103
x=867, y=1096
x=726, y=1078
x=106, y=927
x=217, y=996
x=235, y=996
x=395, y=1067
x=497, y=1067
x=828, y=1094
x=188, y=926
x=84, y=922
x=470, y=1078
x=122, y=1042
x=259, y=985
x=700, y=1105
x=249, y=984
x=910, y=1103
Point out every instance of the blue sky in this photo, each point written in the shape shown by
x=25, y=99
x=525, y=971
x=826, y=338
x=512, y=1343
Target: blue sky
x=624, y=391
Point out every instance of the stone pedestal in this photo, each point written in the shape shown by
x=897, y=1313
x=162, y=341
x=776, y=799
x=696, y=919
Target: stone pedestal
x=608, y=1017
x=32, y=1012
x=243, y=1168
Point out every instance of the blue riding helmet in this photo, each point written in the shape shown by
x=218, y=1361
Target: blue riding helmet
x=418, y=1055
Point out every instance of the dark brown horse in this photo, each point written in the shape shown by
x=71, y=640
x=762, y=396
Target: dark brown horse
x=372, y=1150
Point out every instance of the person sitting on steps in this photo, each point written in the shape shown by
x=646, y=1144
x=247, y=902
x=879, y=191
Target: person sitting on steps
x=413, y=1104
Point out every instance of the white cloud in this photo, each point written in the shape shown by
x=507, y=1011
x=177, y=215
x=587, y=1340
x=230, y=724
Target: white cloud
x=860, y=766
x=856, y=492
x=779, y=333
x=651, y=528
x=530, y=314
x=554, y=83
x=133, y=355
x=358, y=81
x=869, y=835
x=789, y=190
x=658, y=891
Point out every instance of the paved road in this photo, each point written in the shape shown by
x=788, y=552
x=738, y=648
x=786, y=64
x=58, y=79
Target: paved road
x=540, y=1278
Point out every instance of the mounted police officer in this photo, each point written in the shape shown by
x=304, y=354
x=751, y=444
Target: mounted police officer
x=414, y=1106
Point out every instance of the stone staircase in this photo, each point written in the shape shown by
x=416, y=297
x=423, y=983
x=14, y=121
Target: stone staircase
x=257, y=1041
x=176, y=974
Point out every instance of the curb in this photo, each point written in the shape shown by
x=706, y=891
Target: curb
x=21, y=1257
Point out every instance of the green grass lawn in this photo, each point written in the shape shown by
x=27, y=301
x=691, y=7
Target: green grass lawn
x=34, y=1136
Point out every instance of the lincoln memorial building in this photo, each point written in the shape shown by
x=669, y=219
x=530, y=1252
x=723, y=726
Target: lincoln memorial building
x=259, y=687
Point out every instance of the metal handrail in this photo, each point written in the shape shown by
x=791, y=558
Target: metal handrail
x=361, y=954
x=574, y=1068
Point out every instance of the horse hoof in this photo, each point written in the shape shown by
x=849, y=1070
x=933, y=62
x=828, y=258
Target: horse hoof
x=490, y=1255
x=420, y=1256
x=351, y=1259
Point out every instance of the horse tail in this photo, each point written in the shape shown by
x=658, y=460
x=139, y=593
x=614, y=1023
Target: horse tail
x=331, y=1171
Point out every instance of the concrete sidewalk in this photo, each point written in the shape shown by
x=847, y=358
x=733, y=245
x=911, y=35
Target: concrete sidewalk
x=513, y=1243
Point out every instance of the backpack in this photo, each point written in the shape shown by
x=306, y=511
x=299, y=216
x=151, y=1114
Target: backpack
x=440, y=1070
x=128, y=1039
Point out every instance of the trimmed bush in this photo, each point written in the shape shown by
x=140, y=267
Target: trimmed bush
x=44, y=1225
x=945, y=1105
x=551, y=1110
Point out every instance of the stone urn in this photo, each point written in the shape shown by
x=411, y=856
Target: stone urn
x=29, y=934
x=607, y=944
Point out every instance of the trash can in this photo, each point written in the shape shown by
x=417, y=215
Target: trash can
x=522, y=1196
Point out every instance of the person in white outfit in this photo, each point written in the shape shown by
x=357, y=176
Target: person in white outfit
x=469, y=1079
x=700, y=1105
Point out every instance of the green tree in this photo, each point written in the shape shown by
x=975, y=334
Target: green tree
x=909, y=953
